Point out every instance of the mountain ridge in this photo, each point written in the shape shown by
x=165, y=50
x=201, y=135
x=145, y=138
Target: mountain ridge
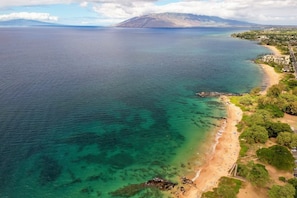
x=175, y=20
x=24, y=23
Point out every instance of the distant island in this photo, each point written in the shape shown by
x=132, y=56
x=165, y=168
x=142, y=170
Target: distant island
x=176, y=20
x=24, y=23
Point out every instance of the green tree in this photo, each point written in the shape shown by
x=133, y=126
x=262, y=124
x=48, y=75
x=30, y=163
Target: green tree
x=274, y=91
x=255, y=134
x=293, y=182
x=246, y=100
x=255, y=173
x=292, y=108
x=255, y=91
x=292, y=83
x=278, y=156
x=260, y=117
x=258, y=175
x=286, y=191
x=274, y=128
x=284, y=139
x=294, y=92
x=294, y=140
x=273, y=109
x=228, y=188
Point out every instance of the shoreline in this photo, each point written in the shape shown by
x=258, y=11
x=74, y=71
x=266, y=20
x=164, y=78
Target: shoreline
x=224, y=154
x=226, y=147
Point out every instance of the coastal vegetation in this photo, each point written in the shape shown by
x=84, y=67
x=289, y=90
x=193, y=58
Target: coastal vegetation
x=277, y=156
x=228, y=188
x=277, y=191
x=279, y=37
x=255, y=173
x=265, y=141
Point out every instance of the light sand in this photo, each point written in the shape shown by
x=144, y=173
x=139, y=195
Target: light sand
x=275, y=51
x=271, y=77
x=225, y=155
x=227, y=149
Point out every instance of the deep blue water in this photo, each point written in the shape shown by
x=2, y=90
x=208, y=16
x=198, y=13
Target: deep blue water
x=86, y=111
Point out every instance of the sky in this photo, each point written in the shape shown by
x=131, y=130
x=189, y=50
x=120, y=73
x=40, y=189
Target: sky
x=111, y=12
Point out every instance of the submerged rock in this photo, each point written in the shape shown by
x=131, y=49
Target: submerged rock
x=50, y=171
x=161, y=184
x=215, y=94
x=185, y=180
x=133, y=189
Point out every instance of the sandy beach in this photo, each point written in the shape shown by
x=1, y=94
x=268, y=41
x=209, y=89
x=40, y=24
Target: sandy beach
x=227, y=147
x=274, y=50
x=225, y=154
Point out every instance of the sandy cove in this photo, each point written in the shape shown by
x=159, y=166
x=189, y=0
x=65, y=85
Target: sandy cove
x=271, y=77
x=224, y=156
x=227, y=148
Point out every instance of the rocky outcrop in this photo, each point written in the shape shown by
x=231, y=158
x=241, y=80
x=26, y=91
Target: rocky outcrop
x=215, y=94
x=161, y=184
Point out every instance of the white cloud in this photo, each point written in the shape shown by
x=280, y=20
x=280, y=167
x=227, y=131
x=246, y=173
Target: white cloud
x=263, y=11
x=84, y=4
x=29, y=16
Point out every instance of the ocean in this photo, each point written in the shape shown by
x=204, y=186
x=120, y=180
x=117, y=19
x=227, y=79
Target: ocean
x=86, y=111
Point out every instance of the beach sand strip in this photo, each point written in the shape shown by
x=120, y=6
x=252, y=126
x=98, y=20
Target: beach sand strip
x=227, y=148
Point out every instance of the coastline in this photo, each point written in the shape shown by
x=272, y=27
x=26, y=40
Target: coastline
x=270, y=76
x=227, y=147
x=224, y=155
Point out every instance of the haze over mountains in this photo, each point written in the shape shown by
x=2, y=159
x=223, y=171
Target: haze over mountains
x=160, y=20
x=24, y=23
x=175, y=20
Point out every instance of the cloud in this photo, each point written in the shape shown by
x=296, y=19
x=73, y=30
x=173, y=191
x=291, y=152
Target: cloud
x=264, y=11
x=29, y=16
x=8, y=3
x=84, y=4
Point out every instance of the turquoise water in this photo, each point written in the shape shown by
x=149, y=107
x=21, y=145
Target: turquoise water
x=86, y=111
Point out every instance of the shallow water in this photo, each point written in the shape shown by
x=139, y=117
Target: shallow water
x=86, y=111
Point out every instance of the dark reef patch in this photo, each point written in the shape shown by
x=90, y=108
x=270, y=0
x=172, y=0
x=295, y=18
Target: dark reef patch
x=50, y=170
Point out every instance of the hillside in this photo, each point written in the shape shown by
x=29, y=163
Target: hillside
x=175, y=20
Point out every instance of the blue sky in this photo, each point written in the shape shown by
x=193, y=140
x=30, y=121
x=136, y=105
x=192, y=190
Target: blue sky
x=110, y=12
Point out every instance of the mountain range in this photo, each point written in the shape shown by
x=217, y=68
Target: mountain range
x=176, y=20
x=24, y=23
x=161, y=20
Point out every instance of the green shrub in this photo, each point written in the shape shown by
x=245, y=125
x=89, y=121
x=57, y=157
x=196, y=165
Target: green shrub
x=274, y=128
x=255, y=173
x=277, y=156
x=286, y=191
x=274, y=110
x=293, y=182
x=287, y=139
x=292, y=83
x=243, y=149
x=228, y=188
x=246, y=100
x=255, y=134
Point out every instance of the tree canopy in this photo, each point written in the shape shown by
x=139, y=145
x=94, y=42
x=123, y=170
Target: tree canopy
x=255, y=173
x=255, y=134
x=286, y=191
x=287, y=139
x=277, y=156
